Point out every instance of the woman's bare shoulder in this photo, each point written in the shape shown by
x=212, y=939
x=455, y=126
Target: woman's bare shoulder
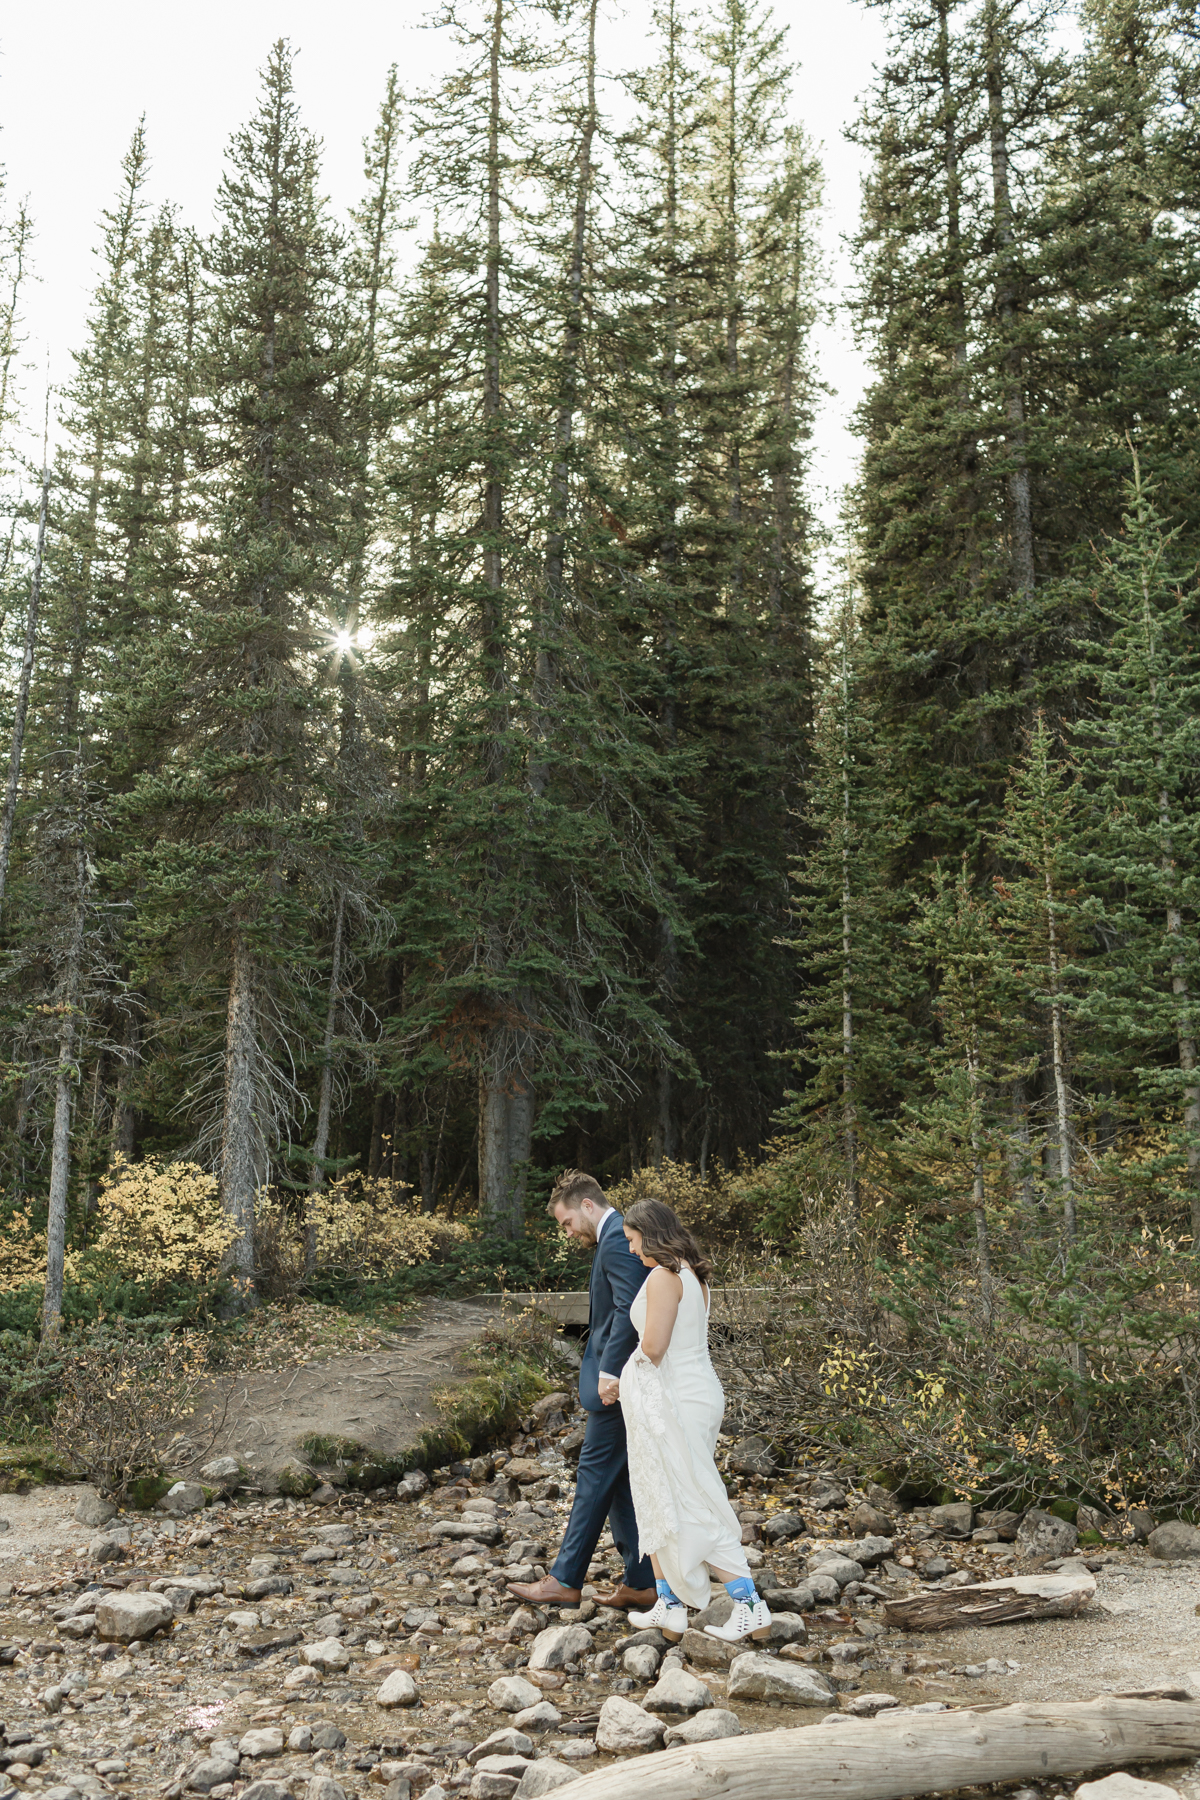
x=666, y=1280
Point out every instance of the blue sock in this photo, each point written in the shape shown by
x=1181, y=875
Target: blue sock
x=743, y=1589
x=663, y=1590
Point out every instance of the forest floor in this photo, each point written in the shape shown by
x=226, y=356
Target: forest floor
x=288, y=1616
x=381, y=1398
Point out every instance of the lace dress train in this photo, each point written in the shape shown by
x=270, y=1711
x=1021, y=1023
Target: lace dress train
x=672, y=1416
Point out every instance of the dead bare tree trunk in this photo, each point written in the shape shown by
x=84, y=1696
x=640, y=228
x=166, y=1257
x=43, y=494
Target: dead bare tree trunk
x=320, y=1152
x=66, y=1071
x=888, y=1759
x=241, y=1132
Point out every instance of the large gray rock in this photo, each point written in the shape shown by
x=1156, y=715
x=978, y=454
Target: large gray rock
x=512, y=1693
x=954, y=1521
x=641, y=1661
x=542, y=1716
x=843, y=1569
x=1123, y=1786
x=489, y=1785
x=826, y=1496
x=265, y=1741
x=678, y=1692
x=335, y=1534
x=626, y=1726
x=397, y=1689
x=477, y=1528
x=792, y=1600
x=327, y=1654
x=505, y=1742
x=870, y=1521
x=267, y=1790
x=783, y=1525
x=94, y=1511
x=825, y=1589
x=752, y=1456
x=865, y=1550
x=224, y=1472
x=705, y=1652
x=105, y=1548
x=1173, y=1542
x=185, y=1497
x=1003, y=1522
x=203, y=1586
x=126, y=1618
x=558, y=1645
x=716, y=1722
x=543, y=1776
x=213, y=1772
x=1044, y=1534
x=753, y=1676
x=324, y=1787
x=787, y=1628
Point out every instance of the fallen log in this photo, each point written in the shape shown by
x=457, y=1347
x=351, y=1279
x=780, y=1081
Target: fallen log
x=1010, y=1598
x=888, y=1758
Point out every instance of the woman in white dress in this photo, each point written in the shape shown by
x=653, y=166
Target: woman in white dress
x=673, y=1406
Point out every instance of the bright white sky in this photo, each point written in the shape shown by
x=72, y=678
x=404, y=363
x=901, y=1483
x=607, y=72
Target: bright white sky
x=76, y=75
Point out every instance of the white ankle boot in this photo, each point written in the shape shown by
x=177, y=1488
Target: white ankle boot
x=670, y=1620
x=745, y=1621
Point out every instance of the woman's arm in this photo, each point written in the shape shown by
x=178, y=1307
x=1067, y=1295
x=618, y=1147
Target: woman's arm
x=664, y=1291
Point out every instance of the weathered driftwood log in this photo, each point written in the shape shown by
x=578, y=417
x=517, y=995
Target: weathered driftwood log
x=993, y=1602
x=888, y=1758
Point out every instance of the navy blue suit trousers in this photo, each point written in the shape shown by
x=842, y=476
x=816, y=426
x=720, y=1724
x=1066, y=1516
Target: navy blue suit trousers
x=602, y=1483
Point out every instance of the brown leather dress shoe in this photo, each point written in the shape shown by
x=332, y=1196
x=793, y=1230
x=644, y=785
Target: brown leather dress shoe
x=547, y=1592
x=627, y=1596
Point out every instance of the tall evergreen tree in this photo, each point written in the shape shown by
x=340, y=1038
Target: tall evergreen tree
x=1139, y=755
x=244, y=843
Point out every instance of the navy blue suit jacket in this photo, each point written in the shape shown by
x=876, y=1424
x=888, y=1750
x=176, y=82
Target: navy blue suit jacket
x=616, y=1279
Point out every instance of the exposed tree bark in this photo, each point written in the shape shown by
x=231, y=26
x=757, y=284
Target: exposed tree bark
x=242, y=1143
x=849, y=1110
x=66, y=1070
x=320, y=1153
x=993, y=1602
x=887, y=1759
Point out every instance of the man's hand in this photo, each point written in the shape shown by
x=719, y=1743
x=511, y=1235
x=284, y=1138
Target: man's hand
x=610, y=1390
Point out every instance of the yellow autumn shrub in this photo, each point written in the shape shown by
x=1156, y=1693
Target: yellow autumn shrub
x=160, y=1222
x=714, y=1208
x=22, y=1251
x=359, y=1227
x=154, y=1223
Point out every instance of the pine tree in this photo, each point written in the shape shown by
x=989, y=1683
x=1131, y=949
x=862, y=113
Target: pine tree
x=243, y=848
x=725, y=392
x=1138, y=758
x=536, y=856
x=852, y=936
x=957, y=1129
x=956, y=543
x=1039, y=908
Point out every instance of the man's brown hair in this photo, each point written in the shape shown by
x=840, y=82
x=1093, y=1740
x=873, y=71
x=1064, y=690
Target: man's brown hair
x=572, y=1188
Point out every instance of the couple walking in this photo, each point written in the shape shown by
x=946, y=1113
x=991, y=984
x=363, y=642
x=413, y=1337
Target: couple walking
x=654, y=1408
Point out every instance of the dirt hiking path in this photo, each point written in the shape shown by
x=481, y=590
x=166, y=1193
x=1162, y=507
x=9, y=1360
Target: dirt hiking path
x=381, y=1399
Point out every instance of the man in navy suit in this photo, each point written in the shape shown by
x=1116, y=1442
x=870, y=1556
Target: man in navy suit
x=602, y=1484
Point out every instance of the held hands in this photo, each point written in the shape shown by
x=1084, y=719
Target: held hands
x=610, y=1391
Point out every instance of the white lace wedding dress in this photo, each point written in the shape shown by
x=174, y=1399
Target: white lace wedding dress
x=672, y=1416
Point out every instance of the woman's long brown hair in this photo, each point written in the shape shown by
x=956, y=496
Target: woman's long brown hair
x=667, y=1239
